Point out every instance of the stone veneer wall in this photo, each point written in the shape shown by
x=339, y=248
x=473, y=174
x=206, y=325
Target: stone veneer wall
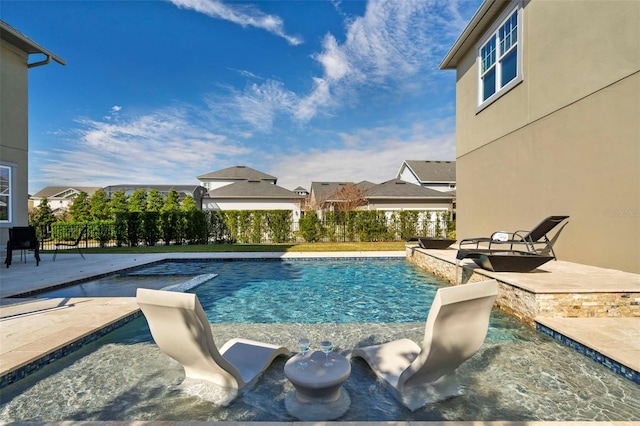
x=526, y=305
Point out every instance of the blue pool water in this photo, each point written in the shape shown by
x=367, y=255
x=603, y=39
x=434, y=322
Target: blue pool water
x=296, y=291
x=518, y=374
x=330, y=291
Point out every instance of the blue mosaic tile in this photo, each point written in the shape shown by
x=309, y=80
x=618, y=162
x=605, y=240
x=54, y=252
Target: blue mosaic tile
x=601, y=359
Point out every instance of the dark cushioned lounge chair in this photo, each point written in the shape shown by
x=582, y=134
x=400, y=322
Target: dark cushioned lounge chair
x=535, y=241
x=504, y=260
x=434, y=243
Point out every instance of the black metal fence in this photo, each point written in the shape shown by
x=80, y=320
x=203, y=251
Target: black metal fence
x=254, y=228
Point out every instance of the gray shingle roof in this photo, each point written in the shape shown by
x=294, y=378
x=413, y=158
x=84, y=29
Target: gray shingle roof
x=52, y=191
x=236, y=173
x=325, y=191
x=253, y=189
x=433, y=171
x=396, y=188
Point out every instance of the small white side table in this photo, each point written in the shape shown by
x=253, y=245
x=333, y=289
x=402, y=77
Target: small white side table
x=319, y=394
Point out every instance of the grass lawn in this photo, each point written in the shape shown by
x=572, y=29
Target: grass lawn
x=219, y=248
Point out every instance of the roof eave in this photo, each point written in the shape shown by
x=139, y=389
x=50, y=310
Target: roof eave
x=23, y=42
x=450, y=61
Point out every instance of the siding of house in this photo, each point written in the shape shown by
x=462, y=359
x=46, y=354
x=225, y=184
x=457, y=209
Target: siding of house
x=564, y=141
x=14, y=144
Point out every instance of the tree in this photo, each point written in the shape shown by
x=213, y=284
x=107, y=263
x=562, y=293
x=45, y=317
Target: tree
x=99, y=203
x=349, y=198
x=189, y=204
x=43, y=215
x=138, y=201
x=119, y=203
x=172, y=202
x=155, y=202
x=80, y=209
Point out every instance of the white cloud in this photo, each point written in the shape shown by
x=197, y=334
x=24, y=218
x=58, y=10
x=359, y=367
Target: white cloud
x=239, y=14
x=394, y=48
x=116, y=108
x=395, y=42
x=367, y=154
x=253, y=109
x=166, y=146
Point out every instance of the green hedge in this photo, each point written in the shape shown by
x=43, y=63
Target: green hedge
x=254, y=227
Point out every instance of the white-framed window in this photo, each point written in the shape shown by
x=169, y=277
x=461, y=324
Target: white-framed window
x=6, y=194
x=500, y=57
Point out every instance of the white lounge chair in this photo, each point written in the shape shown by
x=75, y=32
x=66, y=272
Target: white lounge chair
x=456, y=327
x=181, y=330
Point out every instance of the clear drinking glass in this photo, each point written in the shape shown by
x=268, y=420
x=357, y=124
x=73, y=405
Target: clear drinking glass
x=303, y=344
x=327, y=346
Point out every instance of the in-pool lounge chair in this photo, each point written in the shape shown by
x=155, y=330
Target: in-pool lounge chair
x=535, y=241
x=181, y=330
x=456, y=327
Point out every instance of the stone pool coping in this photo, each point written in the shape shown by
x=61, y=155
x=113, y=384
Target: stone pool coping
x=593, y=310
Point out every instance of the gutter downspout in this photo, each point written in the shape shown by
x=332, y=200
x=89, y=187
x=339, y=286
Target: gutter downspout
x=43, y=62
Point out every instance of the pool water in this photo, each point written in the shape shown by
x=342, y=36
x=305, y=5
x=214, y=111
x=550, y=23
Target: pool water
x=518, y=374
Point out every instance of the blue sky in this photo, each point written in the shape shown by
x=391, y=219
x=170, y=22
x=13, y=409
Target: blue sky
x=164, y=91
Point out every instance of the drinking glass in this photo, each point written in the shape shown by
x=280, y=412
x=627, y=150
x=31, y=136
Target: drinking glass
x=327, y=346
x=303, y=344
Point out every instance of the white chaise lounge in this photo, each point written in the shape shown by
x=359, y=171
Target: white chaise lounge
x=456, y=327
x=181, y=329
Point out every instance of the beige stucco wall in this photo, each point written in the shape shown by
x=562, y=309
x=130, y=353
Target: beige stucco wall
x=14, y=129
x=564, y=141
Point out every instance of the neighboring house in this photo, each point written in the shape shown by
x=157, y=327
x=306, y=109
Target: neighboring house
x=398, y=195
x=547, y=123
x=253, y=195
x=60, y=198
x=15, y=50
x=196, y=191
x=328, y=196
x=391, y=196
x=436, y=175
x=301, y=191
x=215, y=180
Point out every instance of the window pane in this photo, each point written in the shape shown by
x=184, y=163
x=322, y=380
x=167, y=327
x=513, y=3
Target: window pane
x=488, y=54
x=489, y=84
x=509, y=67
x=5, y=193
x=4, y=208
x=508, y=33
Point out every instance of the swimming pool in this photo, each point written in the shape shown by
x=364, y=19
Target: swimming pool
x=518, y=374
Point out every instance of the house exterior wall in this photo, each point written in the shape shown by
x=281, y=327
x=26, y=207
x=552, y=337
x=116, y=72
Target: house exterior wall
x=14, y=138
x=407, y=176
x=565, y=141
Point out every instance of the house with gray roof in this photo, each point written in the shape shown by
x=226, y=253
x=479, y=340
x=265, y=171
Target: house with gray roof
x=325, y=196
x=397, y=195
x=393, y=195
x=436, y=175
x=253, y=195
x=60, y=198
x=220, y=178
